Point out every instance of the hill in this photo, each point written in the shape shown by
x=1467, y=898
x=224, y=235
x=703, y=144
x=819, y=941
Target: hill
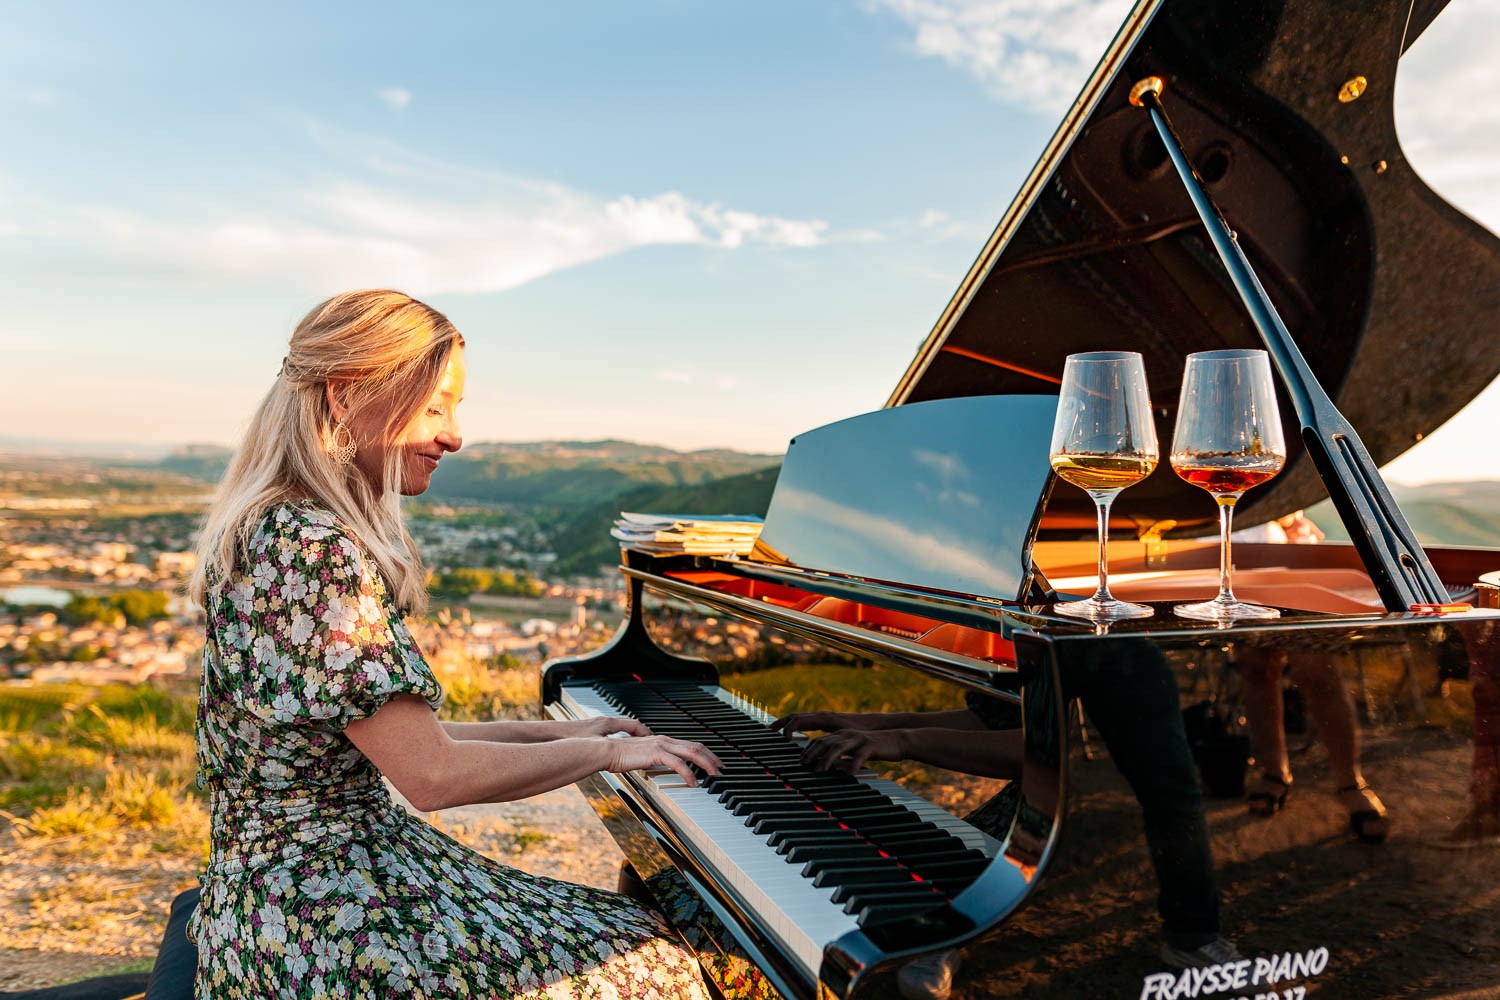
x=1440, y=513
x=579, y=474
x=199, y=461
x=565, y=474
x=583, y=544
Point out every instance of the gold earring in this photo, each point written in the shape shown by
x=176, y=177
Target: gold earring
x=341, y=447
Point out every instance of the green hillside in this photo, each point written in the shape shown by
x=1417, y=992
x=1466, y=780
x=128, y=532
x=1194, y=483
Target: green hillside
x=578, y=474
x=199, y=461
x=564, y=474
x=1440, y=513
x=583, y=544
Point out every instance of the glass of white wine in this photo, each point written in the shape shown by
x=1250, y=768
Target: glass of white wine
x=1103, y=441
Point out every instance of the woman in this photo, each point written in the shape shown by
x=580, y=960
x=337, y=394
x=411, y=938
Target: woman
x=317, y=884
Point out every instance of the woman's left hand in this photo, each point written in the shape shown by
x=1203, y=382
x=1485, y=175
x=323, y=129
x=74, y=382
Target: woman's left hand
x=603, y=726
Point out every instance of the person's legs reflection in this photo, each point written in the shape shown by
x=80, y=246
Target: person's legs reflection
x=1317, y=677
x=1480, y=825
x=1260, y=672
x=1131, y=696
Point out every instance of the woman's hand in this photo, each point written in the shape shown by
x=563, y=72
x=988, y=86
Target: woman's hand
x=641, y=752
x=849, y=749
x=602, y=725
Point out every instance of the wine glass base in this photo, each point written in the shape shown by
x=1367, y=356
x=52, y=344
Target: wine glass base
x=1225, y=611
x=1095, y=610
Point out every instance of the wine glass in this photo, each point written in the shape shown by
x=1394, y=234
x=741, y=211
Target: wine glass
x=1228, y=439
x=1103, y=441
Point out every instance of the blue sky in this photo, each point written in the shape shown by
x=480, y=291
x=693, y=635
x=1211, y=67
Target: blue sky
x=695, y=224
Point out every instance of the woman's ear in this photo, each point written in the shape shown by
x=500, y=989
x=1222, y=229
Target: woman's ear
x=335, y=406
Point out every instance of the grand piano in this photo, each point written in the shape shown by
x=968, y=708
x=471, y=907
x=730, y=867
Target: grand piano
x=1047, y=799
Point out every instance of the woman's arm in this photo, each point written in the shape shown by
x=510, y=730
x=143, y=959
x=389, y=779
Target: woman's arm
x=405, y=740
x=541, y=731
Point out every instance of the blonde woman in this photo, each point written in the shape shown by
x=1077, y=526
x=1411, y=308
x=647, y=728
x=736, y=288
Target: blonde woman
x=317, y=884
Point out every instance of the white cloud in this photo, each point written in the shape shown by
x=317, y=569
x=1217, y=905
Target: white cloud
x=396, y=98
x=485, y=233
x=1032, y=53
x=1452, y=140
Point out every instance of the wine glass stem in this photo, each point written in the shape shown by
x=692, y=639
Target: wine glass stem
x=1226, y=525
x=1102, y=500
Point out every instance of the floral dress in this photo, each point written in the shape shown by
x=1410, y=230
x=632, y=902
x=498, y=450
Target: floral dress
x=318, y=885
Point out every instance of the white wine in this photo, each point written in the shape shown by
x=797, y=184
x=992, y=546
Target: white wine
x=1102, y=472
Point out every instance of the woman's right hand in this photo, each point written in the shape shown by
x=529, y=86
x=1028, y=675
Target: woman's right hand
x=636, y=753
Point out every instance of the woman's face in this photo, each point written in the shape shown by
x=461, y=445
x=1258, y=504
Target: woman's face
x=431, y=435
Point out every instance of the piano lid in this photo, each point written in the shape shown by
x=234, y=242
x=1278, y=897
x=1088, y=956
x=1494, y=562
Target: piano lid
x=1392, y=295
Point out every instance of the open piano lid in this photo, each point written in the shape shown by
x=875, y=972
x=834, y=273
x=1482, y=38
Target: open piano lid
x=1391, y=294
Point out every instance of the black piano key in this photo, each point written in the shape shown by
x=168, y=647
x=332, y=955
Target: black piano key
x=883, y=913
x=856, y=899
x=782, y=841
x=852, y=876
x=759, y=810
x=874, y=862
x=793, y=826
x=940, y=867
x=845, y=854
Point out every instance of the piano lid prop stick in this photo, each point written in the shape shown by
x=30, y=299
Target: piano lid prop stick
x=1400, y=569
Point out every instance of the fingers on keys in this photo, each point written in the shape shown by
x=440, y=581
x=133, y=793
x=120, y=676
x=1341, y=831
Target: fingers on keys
x=681, y=756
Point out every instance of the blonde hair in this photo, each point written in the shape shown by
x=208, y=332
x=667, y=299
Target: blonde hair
x=373, y=346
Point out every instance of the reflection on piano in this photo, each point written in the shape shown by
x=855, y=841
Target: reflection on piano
x=926, y=541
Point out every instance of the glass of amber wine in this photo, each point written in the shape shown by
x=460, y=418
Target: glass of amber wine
x=1228, y=440
x=1103, y=441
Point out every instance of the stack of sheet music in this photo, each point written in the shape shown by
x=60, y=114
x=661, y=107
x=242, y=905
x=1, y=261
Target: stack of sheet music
x=695, y=534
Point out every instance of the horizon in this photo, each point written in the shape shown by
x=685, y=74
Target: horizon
x=103, y=451
x=697, y=227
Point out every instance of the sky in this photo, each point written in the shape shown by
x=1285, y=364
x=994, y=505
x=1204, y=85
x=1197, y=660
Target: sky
x=692, y=224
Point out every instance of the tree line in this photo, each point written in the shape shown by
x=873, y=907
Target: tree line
x=464, y=581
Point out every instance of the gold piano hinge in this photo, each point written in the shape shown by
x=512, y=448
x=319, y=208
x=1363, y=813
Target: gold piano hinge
x=1156, y=546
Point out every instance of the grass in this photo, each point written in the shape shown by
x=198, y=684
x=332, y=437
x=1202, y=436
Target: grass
x=76, y=761
x=523, y=839
x=837, y=688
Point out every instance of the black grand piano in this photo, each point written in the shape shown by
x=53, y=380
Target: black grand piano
x=1050, y=800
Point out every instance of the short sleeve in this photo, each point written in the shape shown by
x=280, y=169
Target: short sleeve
x=319, y=644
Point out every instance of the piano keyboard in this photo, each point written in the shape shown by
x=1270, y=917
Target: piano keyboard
x=814, y=854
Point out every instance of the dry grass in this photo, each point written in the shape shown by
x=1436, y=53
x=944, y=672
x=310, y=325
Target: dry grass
x=474, y=689
x=101, y=822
